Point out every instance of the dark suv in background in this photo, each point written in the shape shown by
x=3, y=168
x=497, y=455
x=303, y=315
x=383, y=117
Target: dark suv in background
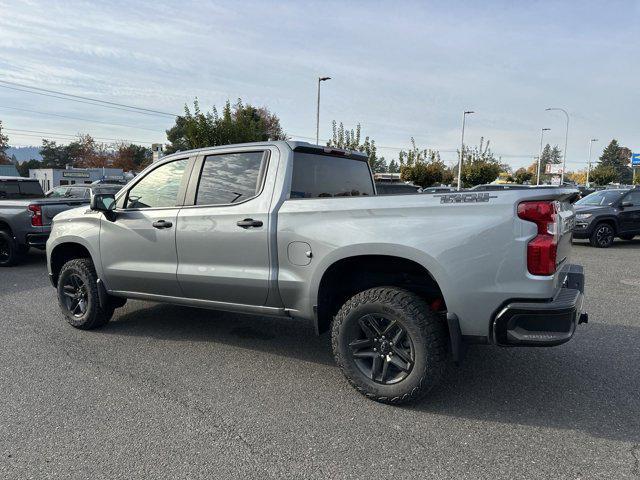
x=607, y=214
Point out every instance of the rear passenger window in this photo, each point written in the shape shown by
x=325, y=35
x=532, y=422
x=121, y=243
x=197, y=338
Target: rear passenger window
x=230, y=178
x=316, y=176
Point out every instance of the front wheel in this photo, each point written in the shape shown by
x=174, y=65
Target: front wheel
x=78, y=295
x=389, y=345
x=602, y=236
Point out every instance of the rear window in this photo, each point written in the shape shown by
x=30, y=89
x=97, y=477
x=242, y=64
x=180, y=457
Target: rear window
x=321, y=176
x=20, y=189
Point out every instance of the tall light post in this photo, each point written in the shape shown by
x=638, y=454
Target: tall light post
x=566, y=137
x=589, y=167
x=320, y=79
x=540, y=155
x=464, y=118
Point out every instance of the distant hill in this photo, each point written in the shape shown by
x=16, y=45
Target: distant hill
x=24, y=153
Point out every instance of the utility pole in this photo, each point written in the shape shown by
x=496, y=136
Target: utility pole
x=589, y=167
x=566, y=138
x=464, y=118
x=540, y=155
x=320, y=79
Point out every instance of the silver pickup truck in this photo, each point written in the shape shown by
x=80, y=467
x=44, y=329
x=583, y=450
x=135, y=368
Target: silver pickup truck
x=291, y=229
x=25, y=217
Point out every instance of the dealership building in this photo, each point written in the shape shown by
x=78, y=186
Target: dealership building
x=54, y=177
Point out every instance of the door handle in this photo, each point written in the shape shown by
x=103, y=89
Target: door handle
x=162, y=224
x=249, y=222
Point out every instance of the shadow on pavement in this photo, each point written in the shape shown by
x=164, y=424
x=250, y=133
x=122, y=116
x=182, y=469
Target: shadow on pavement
x=585, y=385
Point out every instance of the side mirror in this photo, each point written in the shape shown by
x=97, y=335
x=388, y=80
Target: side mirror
x=626, y=204
x=105, y=203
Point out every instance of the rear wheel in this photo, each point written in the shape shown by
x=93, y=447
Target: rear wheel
x=9, y=252
x=389, y=345
x=78, y=295
x=627, y=237
x=602, y=236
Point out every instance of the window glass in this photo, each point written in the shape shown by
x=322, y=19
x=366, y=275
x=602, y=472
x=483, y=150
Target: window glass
x=633, y=197
x=159, y=188
x=57, y=192
x=229, y=178
x=603, y=197
x=9, y=190
x=31, y=189
x=324, y=176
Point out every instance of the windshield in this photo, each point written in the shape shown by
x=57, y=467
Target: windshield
x=601, y=198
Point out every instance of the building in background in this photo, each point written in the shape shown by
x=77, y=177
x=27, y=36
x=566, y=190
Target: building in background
x=8, y=171
x=54, y=177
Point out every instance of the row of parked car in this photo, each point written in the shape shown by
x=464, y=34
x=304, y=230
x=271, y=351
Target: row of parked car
x=602, y=214
x=26, y=212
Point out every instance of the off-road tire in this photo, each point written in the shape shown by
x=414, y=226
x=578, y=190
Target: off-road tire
x=602, y=235
x=428, y=336
x=9, y=252
x=95, y=316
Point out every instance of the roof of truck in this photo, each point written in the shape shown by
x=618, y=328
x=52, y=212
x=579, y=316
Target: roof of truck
x=292, y=144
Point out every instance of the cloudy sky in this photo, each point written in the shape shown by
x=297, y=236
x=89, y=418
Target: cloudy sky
x=401, y=69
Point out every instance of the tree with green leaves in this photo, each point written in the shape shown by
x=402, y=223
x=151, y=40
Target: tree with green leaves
x=422, y=166
x=479, y=165
x=352, y=140
x=4, y=145
x=393, y=167
x=238, y=123
x=522, y=175
x=23, y=168
x=618, y=158
x=603, y=174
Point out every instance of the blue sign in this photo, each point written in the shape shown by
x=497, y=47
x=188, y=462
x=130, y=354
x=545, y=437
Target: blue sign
x=635, y=159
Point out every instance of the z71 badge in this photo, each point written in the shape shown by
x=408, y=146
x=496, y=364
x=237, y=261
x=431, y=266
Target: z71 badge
x=465, y=197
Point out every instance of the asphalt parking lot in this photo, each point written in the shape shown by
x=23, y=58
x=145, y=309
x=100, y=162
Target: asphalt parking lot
x=174, y=392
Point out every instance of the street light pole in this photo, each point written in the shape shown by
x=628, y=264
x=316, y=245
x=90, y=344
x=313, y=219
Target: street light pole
x=589, y=167
x=540, y=155
x=566, y=138
x=464, y=118
x=320, y=79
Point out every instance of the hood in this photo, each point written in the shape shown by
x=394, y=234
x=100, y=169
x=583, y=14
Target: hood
x=73, y=213
x=592, y=208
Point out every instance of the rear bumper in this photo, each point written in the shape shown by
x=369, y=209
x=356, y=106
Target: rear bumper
x=543, y=323
x=37, y=240
x=583, y=230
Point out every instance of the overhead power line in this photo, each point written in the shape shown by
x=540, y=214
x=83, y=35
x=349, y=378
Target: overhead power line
x=69, y=96
x=81, y=119
x=29, y=133
x=146, y=111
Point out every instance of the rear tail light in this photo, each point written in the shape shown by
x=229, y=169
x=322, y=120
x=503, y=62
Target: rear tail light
x=36, y=215
x=542, y=250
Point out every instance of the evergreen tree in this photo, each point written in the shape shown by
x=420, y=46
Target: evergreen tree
x=393, y=167
x=4, y=145
x=618, y=158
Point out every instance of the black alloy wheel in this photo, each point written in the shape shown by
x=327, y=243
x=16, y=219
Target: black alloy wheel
x=602, y=236
x=382, y=349
x=76, y=296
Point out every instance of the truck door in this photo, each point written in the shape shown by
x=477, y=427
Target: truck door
x=138, y=248
x=630, y=216
x=223, y=235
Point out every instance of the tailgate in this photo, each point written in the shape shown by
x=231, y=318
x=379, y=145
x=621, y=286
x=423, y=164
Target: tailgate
x=51, y=209
x=566, y=222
